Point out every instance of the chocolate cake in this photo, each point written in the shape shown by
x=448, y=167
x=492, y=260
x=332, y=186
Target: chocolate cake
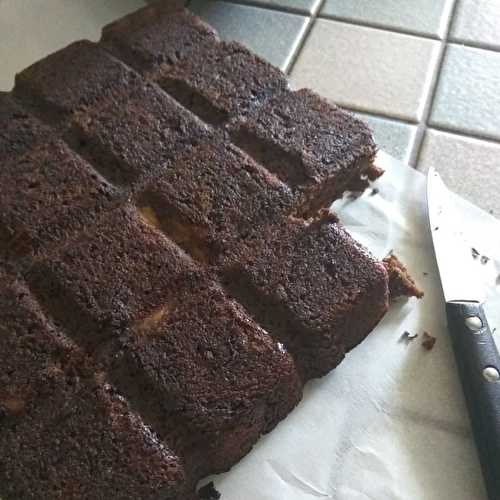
x=65, y=432
x=169, y=285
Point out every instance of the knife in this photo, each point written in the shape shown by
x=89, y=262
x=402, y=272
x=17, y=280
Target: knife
x=477, y=357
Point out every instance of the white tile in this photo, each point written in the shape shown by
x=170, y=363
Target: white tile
x=429, y=17
x=32, y=30
x=393, y=137
x=467, y=97
x=367, y=69
x=272, y=34
x=470, y=167
x=477, y=21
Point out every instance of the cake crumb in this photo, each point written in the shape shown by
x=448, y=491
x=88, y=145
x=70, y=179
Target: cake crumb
x=475, y=253
x=408, y=337
x=401, y=284
x=208, y=492
x=425, y=274
x=428, y=341
x=374, y=191
x=484, y=259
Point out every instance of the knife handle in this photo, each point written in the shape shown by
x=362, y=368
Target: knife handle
x=478, y=363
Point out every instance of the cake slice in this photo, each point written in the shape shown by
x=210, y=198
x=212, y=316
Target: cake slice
x=19, y=131
x=105, y=279
x=319, y=150
x=312, y=287
x=212, y=198
x=209, y=379
x=71, y=79
x=134, y=133
x=214, y=79
x=64, y=432
x=47, y=194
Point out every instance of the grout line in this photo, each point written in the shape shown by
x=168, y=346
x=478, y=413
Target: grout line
x=382, y=116
x=286, y=9
x=468, y=44
x=379, y=26
x=431, y=94
x=296, y=46
x=355, y=109
x=466, y=134
x=302, y=41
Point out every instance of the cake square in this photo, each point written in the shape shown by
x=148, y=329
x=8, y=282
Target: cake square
x=215, y=381
x=71, y=79
x=64, y=433
x=312, y=287
x=48, y=194
x=212, y=198
x=135, y=133
x=319, y=150
x=214, y=79
x=162, y=33
x=109, y=277
x=19, y=131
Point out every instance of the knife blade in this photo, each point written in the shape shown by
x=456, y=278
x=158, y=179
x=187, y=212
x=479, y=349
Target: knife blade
x=477, y=357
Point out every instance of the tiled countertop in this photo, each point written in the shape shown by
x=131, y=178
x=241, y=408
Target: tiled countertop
x=424, y=73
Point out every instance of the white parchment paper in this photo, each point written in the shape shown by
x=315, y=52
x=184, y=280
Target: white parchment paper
x=390, y=422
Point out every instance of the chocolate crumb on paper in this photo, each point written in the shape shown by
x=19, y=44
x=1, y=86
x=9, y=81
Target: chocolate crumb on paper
x=428, y=341
x=401, y=284
x=475, y=253
x=484, y=259
x=208, y=492
x=374, y=191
